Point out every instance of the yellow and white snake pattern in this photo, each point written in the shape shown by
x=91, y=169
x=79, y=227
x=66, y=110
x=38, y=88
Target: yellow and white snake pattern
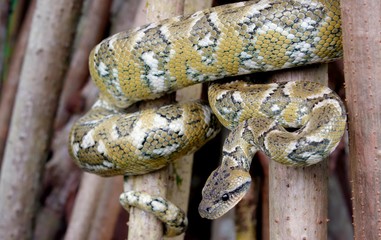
x=230, y=40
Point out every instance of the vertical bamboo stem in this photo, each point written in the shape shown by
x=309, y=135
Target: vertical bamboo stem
x=362, y=61
x=52, y=31
x=298, y=196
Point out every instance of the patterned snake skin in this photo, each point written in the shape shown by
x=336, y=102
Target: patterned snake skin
x=259, y=116
x=230, y=40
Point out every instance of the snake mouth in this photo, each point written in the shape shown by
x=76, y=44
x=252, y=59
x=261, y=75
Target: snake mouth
x=213, y=209
x=214, y=213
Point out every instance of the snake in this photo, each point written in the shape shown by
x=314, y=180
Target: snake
x=295, y=123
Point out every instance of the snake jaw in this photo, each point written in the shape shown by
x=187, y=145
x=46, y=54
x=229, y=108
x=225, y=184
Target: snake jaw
x=222, y=191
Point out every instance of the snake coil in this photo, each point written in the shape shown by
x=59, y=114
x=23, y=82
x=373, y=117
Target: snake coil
x=230, y=40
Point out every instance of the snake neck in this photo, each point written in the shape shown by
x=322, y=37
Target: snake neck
x=238, y=150
x=229, y=183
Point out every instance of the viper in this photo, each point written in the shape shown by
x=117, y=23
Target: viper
x=230, y=40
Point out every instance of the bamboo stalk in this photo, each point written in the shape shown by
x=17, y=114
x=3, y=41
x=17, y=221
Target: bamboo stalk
x=299, y=196
x=47, y=52
x=362, y=38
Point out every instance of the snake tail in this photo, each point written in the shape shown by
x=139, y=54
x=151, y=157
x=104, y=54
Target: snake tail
x=174, y=219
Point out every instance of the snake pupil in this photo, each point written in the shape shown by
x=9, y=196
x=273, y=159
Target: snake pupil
x=290, y=129
x=225, y=197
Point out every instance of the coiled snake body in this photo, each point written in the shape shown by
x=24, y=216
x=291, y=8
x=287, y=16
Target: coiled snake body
x=235, y=39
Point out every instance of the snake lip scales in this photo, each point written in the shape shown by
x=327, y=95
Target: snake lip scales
x=230, y=40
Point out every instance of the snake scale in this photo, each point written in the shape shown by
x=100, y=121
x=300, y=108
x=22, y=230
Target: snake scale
x=229, y=40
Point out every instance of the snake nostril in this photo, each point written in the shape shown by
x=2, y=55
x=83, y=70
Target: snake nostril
x=207, y=209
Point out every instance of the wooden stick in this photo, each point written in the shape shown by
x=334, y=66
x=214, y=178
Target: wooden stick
x=245, y=213
x=181, y=169
x=97, y=198
x=60, y=182
x=13, y=23
x=97, y=14
x=107, y=211
x=264, y=195
x=9, y=87
x=143, y=225
x=298, y=196
x=4, y=10
x=4, y=16
x=52, y=31
x=362, y=65
x=85, y=207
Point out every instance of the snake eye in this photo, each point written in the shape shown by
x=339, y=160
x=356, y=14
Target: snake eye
x=225, y=197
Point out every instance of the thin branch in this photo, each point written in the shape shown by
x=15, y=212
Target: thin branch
x=107, y=211
x=83, y=210
x=61, y=178
x=299, y=196
x=179, y=185
x=97, y=196
x=9, y=88
x=97, y=14
x=13, y=24
x=4, y=10
x=154, y=183
x=246, y=209
x=362, y=65
x=53, y=27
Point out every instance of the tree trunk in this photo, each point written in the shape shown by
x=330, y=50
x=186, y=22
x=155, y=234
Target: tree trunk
x=298, y=196
x=362, y=68
x=46, y=57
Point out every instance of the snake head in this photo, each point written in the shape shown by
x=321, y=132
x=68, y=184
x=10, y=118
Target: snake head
x=224, y=188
